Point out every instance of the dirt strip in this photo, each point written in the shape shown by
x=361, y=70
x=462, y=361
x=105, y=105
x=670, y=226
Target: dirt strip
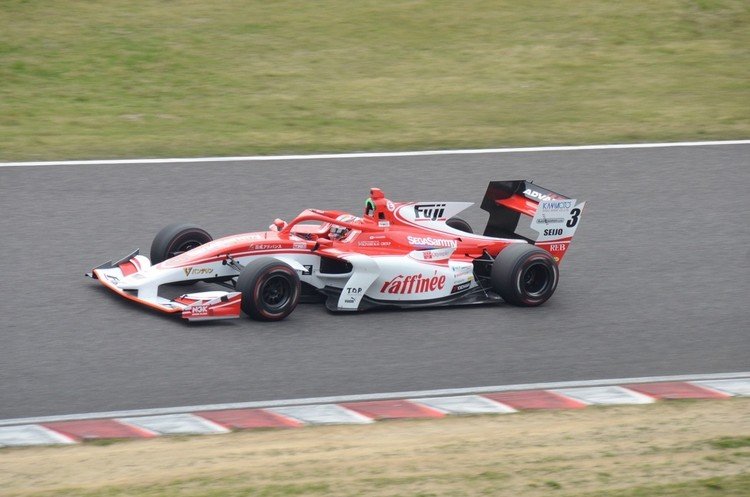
x=532, y=453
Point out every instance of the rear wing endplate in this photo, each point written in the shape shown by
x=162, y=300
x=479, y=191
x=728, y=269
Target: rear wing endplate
x=554, y=217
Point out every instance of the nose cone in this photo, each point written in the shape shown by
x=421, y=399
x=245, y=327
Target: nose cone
x=227, y=245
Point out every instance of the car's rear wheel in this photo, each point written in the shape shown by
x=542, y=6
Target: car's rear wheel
x=459, y=224
x=270, y=289
x=524, y=275
x=176, y=239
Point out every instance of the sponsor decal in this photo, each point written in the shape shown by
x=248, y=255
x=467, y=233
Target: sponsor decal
x=438, y=254
x=373, y=243
x=431, y=242
x=558, y=247
x=390, y=206
x=190, y=271
x=350, y=300
x=550, y=220
x=461, y=287
x=220, y=245
x=299, y=246
x=558, y=205
x=376, y=237
x=199, y=310
x=462, y=270
x=413, y=283
x=563, y=214
x=384, y=224
x=267, y=246
x=113, y=279
x=535, y=195
x=429, y=212
x=308, y=270
x=353, y=290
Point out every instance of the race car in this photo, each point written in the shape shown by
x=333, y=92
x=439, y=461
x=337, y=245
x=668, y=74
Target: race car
x=395, y=255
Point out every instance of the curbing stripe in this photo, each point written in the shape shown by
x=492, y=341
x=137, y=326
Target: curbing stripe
x=93, y=429
x=176, y=424
x=246, y=419
x=323, y=414
x=24, y=435
x=507, y=401
x=677, y=390
x=376, y=396
x=612, y=395
x=536, y=399
x=733, y=387
x=393, y=409
x=466, y=404
x=365, y=155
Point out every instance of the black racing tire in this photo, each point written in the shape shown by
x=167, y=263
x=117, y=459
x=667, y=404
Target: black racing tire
x=524, y=275
x=175, y=239
x=270, y=289
x=459, y=224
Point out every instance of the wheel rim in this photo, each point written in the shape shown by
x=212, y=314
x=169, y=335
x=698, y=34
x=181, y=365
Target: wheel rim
x=536, y=279
x=276, y=292
x=183, y=247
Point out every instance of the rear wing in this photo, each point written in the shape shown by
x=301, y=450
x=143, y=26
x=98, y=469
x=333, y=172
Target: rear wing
x=554, y=217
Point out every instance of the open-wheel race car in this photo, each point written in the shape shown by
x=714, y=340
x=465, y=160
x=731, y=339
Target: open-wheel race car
x=397, y=254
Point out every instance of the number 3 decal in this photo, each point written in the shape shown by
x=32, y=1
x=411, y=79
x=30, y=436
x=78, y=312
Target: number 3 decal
x=573, y=217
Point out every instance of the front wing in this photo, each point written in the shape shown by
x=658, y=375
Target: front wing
x=201, y=306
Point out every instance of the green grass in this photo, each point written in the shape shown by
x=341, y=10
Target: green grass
x=731, y=442
x=724, y=486
x=696, y=449
x=82, y=79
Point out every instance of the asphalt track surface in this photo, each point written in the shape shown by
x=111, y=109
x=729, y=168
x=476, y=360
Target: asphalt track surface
x=657, y=281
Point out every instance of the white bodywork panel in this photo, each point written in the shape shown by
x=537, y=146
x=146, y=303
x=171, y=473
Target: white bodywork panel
x=433, y=215
x=421, y=275
x=556, y=219
x=365, y=271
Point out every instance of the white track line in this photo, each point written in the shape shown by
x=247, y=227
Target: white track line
x=375, y=396
x=360, y=155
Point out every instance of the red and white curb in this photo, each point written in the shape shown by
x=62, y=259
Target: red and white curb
x=364, y=409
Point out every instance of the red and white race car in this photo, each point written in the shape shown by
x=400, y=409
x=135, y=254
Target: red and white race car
x=398, y=254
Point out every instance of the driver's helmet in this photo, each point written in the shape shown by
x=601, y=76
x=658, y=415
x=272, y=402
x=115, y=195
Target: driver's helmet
x=337, y=232
x=369, y=208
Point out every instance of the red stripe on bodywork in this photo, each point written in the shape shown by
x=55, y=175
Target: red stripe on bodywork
x=243, y=419
x=127, y=268
x=535, y=399
x=93, y=429
x=677, y=390
x=519, y=203
x=235, y=255
x=393, y=409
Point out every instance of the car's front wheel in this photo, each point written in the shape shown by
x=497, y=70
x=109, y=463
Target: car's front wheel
x=524, y=275
x=176, y=239
x=270, y=289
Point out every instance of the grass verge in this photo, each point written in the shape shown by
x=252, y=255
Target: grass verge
x=670, y=448
x=82, y=79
